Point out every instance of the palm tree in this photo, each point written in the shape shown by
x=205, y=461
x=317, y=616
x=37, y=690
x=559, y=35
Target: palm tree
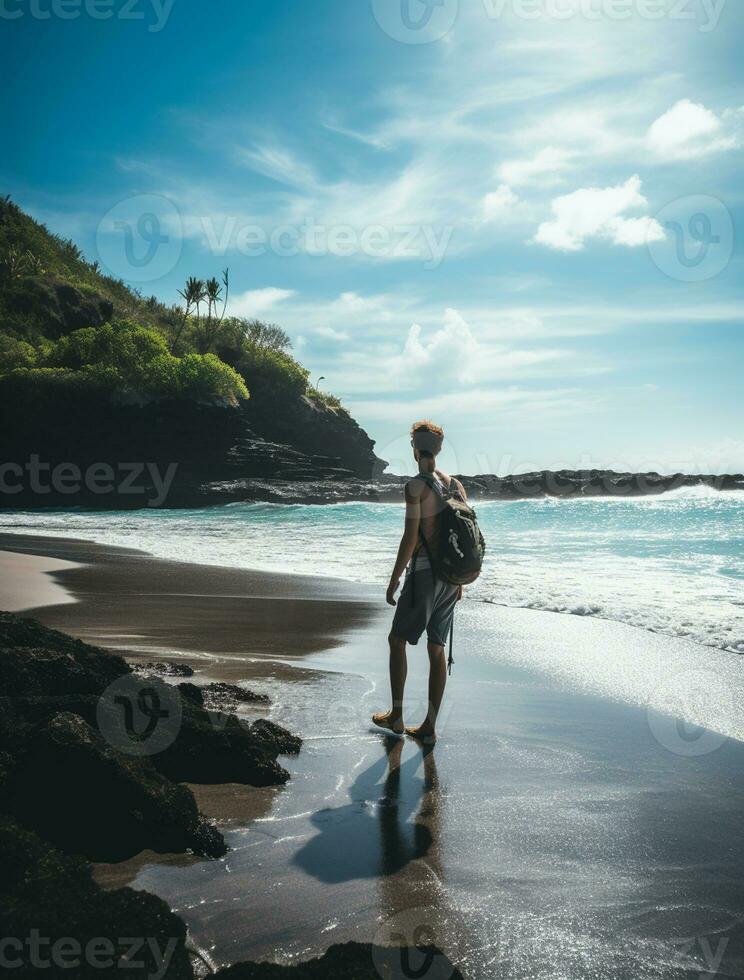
x=214, y=294
x=194, y=294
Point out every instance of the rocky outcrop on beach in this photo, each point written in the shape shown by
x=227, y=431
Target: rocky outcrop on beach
x=107, y=807
x=353, y=961
x=69, y=794
x=62, y=740
x=58, y=922
x=75, y=787
x=219, y=747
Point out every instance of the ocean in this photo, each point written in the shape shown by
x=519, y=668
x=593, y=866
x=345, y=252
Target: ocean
x=672, y=564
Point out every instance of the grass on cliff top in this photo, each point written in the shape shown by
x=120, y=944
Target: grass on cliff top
x=28, y=248
x=148, y=349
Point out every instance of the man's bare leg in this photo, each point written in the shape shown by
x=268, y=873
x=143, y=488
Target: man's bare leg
x=393, y=719
x=437, y=684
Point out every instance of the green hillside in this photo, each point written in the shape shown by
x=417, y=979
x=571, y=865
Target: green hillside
x=66, y=326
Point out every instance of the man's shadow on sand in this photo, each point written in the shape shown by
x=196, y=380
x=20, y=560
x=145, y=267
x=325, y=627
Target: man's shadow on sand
x=374, y=834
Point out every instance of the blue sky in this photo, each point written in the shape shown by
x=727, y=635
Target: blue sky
x=518, y=217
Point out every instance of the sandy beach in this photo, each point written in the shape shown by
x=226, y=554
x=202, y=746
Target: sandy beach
x=554, y=831
x=218, y=620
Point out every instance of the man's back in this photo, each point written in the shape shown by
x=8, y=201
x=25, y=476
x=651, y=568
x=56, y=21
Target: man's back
x=419, y=490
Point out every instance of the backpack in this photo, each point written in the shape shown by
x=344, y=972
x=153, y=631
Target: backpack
x=458, y=547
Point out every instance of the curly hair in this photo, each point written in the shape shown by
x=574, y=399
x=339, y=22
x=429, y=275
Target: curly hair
x=427, y=437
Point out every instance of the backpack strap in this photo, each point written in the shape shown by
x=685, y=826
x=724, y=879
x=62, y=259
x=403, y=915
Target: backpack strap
x=425, y=544
x=451, y=660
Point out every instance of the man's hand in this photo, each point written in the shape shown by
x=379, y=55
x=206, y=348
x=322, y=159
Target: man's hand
x=390, y=597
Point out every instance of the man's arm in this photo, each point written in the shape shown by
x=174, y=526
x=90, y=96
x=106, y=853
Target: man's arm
x=409, y=540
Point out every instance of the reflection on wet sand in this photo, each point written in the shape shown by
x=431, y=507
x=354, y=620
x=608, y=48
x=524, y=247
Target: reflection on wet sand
x=374, y=834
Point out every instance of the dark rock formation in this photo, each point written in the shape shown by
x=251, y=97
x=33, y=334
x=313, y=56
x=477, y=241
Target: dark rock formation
x=388, y=488
x=275, y=738
x=588, y=483
x=352, y=961
x=223, y=697
x=315, y=430
x=71, y=769
x=164, y=668
x=47, y=897
x=106, y=806
x=200, y=444
x=216, y=747
x=39, y=662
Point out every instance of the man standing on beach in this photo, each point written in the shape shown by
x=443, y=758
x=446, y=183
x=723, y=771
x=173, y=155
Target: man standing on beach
x=426, y=602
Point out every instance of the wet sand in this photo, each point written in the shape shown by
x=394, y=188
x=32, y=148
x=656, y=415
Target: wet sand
x=554, y=832
x=227, y=623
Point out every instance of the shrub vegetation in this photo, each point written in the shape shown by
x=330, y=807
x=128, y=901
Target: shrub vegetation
x=123, y=359
x=148, y=349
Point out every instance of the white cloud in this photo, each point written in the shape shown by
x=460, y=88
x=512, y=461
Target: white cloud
x=452, y=356
x=689, y=131
x=499, y=202
x=518, y=406
x=328, y=333
x=254, y=302
x=278, y=164
x=599, y=213
x=545, y=168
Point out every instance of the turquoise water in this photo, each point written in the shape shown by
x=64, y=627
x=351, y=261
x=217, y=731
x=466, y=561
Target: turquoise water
x=672, y=564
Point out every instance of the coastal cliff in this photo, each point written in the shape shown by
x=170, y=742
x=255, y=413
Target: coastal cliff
x=93, y=374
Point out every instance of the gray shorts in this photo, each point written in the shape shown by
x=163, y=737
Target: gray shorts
x=432, y=609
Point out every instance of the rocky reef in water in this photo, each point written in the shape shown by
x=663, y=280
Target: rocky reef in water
x=387, y=488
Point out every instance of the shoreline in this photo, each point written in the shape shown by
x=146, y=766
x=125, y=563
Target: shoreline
x=226, y=623
x=234, y=625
